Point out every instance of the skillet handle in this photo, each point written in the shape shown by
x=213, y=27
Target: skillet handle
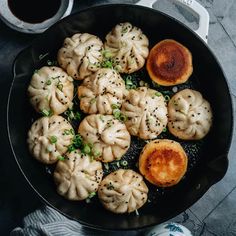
x=192, y=6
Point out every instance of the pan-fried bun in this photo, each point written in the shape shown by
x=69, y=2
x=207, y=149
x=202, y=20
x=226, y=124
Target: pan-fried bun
x=146, y=112
x=169, y=63
x=51, y=89
x=163, y=162
x=109, y=136
x=190, y=115
x=100, y=91
x=77, y=176
x=123, y=191
x=48, y=138
x=128, y=46
x=80, y=55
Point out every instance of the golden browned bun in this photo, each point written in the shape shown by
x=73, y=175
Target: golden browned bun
x=163, y=162
x=169, y=63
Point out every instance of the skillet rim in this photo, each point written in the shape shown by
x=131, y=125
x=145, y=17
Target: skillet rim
x=197, y=37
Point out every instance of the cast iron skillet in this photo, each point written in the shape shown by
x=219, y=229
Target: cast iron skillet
x=207, y=161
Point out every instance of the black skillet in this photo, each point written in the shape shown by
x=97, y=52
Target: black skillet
x=207, y=159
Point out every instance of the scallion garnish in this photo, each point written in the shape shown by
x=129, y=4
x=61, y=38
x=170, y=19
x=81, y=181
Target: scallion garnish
x=48, y=82
x=164, y=130
x=158, y=94
x=115, y=106
x=71, y=115
x=86, y=149
x=116, y=113
x=41, y=56
x=51, y=63
x=106, y=166
x=53, y=139
x=93, y=100
x=91, y=195
x=167, y=98
x=124, y=163
x=61, y=158
x=106, y=54
x=45, y=112
x=60, y=86
x=97, y=153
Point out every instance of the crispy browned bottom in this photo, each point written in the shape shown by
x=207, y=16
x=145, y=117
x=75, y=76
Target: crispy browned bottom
x=163, y=162
x=169, y=63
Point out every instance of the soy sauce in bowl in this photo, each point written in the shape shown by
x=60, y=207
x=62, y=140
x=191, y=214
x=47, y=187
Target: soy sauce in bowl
x=31, y=11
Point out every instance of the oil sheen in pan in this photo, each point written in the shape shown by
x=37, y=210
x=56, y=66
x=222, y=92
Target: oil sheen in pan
x=192, y=148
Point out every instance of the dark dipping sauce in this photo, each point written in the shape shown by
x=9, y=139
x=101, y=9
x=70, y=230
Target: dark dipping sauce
x=34, y=11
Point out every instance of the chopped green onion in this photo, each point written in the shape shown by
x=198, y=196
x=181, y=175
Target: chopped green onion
x=117, y=68
x=46, y=112
x=41, y=56
x=77, y=116
x=123, y=117
x=116, y=113
x=167, y=98
x=53, y=139
x=92, y=194
x=93, y=100
x=124, y=163
x=101, y=117
x=141, y=83
x=71, y=148
x=158, y=94
x=57, y=77
x=115, y=106
x=66, y=132
x=87, y=200
x=86, y=149
x=97, y=153
x=60, y=86
x=106, y=166
x=51, y=63
x=71, y=115
x=164, y=130
x=48, y=82
x=107, y=54
x=50, y=148
x=124, y=30
x=61, y=158
x=128, y=80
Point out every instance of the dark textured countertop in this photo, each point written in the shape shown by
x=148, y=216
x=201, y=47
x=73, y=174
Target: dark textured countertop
x=214, y=213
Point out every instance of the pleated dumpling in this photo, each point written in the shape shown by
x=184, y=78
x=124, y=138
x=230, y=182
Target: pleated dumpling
x=109, y=136
x=49, y=138
x=146, y=113
x=123, y=191
x=128, y=46
x=80, y=55
x=101, y=91
x=51, y=90
x=190, y=115
x=77, y=176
